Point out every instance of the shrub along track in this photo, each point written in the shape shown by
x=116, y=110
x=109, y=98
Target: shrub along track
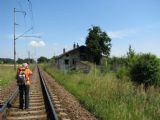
x=65, y=103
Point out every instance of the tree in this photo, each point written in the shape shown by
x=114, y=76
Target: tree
x=42, y=59
x=131, y=56
x=98, y=44
x=131, y=52
x=146, y=70
x=7, y=60
x=26, y=60
x=52, y=60
x=1, y=61
x=20, y=61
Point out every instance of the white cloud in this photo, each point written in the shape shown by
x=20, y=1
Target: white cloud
x=37, y=43
x=121, y=33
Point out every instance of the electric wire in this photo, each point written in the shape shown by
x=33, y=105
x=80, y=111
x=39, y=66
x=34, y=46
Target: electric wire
x=31, y=14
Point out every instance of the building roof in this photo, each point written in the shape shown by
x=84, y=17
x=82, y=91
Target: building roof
x=70, y=51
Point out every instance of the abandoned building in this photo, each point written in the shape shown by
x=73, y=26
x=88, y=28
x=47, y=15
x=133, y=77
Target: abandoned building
x=72, y=59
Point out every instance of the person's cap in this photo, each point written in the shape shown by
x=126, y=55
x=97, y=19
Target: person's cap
x=25, y=65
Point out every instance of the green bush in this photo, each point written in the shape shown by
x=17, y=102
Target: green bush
x=122, y=73
x=146, y=70
x=108, y=98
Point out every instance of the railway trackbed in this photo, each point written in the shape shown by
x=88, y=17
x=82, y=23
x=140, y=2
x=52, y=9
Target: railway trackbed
x=44, y=105
x=48, y=101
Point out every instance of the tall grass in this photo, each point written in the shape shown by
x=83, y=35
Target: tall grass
x=7, y=74
x=108, y=98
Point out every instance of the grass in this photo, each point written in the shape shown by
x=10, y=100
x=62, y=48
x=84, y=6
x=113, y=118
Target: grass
x=8, y=74
x=108, y=98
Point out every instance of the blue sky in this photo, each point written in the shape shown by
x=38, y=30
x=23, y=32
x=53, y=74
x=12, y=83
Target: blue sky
x=60, y=23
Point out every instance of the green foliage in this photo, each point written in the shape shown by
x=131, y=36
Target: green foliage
x=116, y=63
x=52, y=60
x=146, y=69
x=19, y=61
x=131, y=57
x=131, y=52
x=1, y=61
x=6, y=61
x=104, y=65
x=42, y=60
x=7, y=74
x=122, y=73
x=108, y=98
x=98, y=43
x=27, y=60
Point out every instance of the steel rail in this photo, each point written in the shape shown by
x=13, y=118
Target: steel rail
x=51, y=113
x=9, y=100
x=8, y=104
x=48, y=103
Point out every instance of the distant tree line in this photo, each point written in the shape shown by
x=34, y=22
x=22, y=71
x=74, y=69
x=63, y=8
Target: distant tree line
x=26, y=60
x=6, y=61
x=41, y=59
x=19, y=61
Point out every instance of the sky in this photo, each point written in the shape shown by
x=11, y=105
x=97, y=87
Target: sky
x=57, y=24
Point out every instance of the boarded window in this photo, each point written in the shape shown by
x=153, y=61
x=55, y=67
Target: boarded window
x=66, y=62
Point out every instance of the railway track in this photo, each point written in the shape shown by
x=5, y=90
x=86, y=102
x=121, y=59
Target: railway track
x=41, y=104
x=61, y=112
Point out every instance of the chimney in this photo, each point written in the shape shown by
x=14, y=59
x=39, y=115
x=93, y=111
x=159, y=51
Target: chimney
x=74, y=46
x=77, y=45
x=64, y=50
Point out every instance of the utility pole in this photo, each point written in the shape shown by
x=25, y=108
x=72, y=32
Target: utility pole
x=14, y=32
x=22, y=35
x=28, y=57
x=14, y=25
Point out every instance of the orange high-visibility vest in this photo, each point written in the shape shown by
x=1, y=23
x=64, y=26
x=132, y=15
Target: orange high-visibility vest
x=27, y=72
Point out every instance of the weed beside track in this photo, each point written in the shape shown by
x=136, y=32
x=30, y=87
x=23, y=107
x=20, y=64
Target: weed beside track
x=109, y=98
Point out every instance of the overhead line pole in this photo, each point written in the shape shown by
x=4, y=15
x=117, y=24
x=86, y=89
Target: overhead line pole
x=22, y=35
x=14, y=36
x=14, y=27
x=29, y=57
x=14, y=24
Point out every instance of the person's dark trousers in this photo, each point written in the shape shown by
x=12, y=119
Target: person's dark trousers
x=23, y=90
x=27, y=97
x=21, y=100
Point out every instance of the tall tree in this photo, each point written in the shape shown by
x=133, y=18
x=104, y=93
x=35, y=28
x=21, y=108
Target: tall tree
x=98, y=44
x=131, y=56
x=131, y=52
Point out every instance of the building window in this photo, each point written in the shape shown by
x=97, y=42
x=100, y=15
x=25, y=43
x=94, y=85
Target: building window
x=73, y=62
x=66, y=62
x=67, y=55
